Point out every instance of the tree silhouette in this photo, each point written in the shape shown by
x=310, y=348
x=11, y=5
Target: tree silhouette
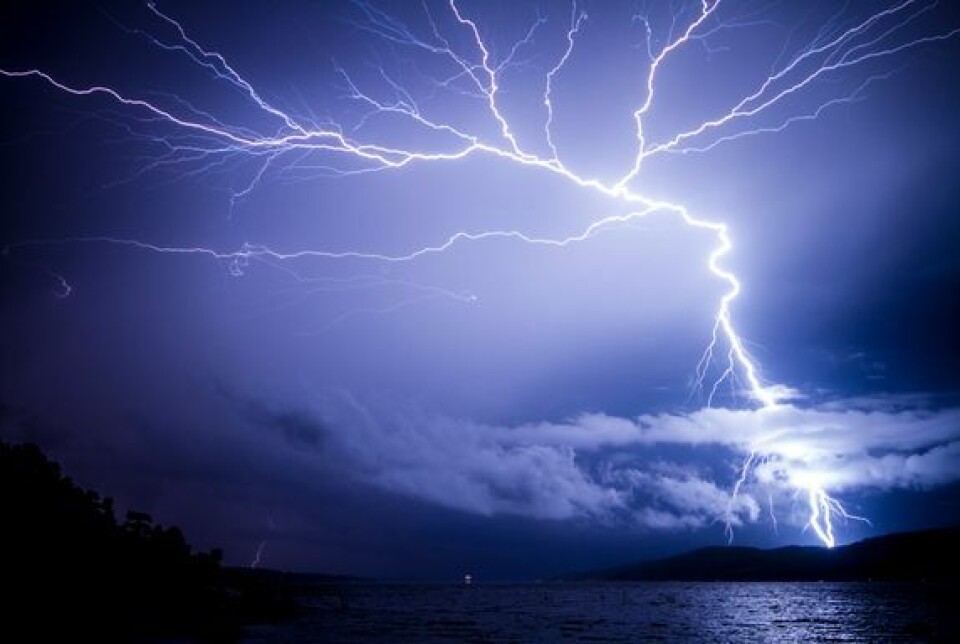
x=70, y=562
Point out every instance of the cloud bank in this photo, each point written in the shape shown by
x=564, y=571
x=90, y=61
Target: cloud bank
x=652, y=471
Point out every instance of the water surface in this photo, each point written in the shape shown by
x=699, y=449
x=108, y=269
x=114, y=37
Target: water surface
x=626, y=612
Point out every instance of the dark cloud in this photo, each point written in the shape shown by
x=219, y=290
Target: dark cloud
x=295, y=427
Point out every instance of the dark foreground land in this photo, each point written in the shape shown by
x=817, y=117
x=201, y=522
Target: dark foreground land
x=72, y=572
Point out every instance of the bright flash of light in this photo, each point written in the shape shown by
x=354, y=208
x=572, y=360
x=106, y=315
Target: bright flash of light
x=199, y=139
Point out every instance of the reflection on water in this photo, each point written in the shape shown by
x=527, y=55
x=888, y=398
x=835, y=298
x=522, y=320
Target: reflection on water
x=629, y=612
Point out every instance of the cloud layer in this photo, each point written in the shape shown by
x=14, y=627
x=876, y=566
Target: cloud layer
x=652, y=471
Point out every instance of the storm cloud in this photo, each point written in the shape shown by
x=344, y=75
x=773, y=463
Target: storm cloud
x=614, y=469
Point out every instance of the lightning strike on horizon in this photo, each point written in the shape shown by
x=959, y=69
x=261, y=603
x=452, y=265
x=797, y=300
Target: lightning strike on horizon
x=822, y=509
x=741, y=480
x=199, y=137
x=258, y=555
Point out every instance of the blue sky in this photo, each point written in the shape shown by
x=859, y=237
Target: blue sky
x=243, y=292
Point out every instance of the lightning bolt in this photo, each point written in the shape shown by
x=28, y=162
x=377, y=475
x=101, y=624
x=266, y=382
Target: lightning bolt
x=197, y=141
x=258, y=555
x=823, y=508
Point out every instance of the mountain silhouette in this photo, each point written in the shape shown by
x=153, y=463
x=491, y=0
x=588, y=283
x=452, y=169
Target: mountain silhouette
x=927, y=555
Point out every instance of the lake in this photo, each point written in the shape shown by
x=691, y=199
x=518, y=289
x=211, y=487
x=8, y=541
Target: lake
x=626, y=612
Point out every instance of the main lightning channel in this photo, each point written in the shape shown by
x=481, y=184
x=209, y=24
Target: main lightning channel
x=199, y=135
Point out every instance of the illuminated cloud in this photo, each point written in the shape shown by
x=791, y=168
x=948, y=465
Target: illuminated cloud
x=607, y=467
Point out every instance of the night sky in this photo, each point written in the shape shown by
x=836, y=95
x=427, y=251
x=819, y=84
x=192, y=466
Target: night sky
x=371, y=288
